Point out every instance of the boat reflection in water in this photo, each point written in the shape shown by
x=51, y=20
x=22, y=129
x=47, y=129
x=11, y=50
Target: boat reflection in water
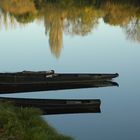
x=58, y=106
x=28, y=81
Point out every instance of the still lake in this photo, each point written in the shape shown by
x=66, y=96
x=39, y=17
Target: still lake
x=105, y=49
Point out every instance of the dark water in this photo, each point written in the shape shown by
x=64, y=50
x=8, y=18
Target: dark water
x=96, y=37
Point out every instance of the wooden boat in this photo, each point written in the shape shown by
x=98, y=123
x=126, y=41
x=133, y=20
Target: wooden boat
x=51, y=76
x=57, y=106
x=43, y=81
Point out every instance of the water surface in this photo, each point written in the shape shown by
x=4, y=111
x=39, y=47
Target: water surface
x=100, y=37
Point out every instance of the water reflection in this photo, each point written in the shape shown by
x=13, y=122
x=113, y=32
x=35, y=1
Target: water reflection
x=30, y=81
x=20, y=88
x=132, y=30
x=72, y=17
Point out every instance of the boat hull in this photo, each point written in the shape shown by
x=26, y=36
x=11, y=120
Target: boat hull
x=58, y=106
x=44, y=81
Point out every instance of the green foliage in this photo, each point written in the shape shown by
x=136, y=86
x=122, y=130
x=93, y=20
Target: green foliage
x=25, y=124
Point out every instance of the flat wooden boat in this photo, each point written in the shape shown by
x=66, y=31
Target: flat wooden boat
x=43, y=81
x=51, y=76
x=58, y=106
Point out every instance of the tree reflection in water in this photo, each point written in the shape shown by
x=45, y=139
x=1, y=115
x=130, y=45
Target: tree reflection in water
x=74, y=17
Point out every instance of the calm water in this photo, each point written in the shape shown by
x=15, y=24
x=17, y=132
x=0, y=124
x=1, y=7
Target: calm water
x=91, y=41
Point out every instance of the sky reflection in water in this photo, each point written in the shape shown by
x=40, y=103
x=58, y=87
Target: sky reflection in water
x=104, y=49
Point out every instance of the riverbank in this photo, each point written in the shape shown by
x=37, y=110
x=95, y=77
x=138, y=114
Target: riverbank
x=25, y=124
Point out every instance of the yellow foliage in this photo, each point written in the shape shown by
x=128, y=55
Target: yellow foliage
x=18, y=7
x=118, y=14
